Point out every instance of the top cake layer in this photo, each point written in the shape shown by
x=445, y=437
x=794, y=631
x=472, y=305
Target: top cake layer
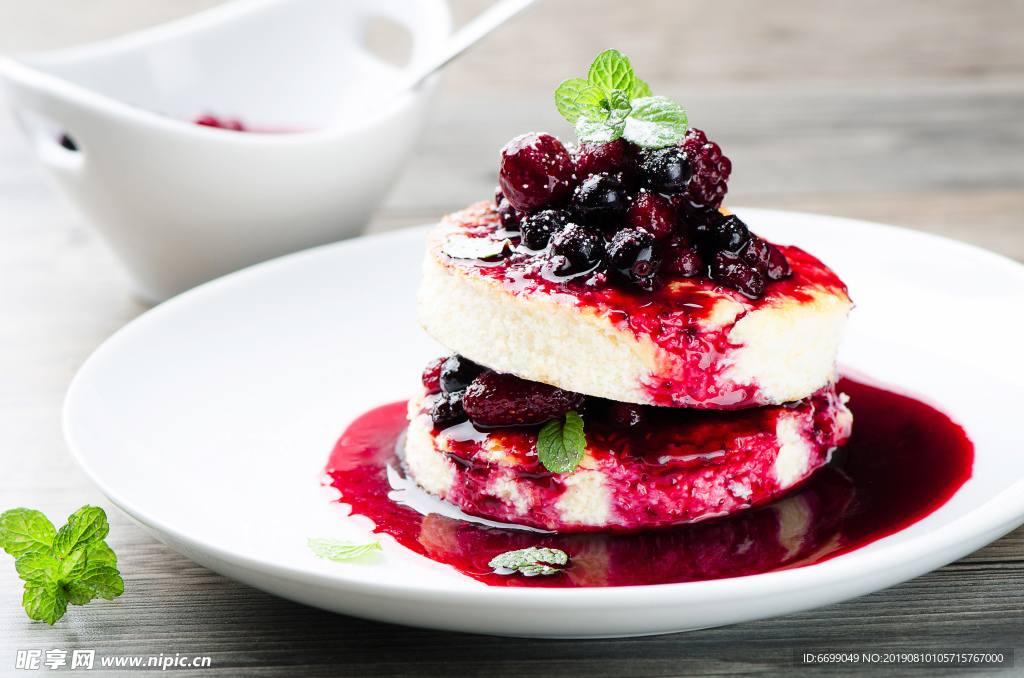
x=687, y=343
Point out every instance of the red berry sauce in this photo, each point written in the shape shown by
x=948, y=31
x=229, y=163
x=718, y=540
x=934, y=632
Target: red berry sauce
x=904, y=461
x=673, y=315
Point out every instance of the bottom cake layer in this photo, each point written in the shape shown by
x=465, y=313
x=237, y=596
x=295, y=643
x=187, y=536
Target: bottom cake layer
x=680, y=466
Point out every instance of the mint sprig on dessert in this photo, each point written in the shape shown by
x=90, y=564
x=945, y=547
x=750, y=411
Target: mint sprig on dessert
x=72, y=565
x=334, y=549
x=561, y=444
x=612, y=103
x=530, y=562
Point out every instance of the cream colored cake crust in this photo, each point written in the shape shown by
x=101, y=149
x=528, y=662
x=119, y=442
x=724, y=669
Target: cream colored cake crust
x=689, y=344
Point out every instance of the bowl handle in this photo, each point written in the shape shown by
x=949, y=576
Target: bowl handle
x=429, y=22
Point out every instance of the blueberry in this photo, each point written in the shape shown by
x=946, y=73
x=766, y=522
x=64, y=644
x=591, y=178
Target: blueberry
x=600, y=201
x=731, y=235
x=448, y=410
x=665, y=169
x=635, y=256
x=576, y=249
x=457, y=373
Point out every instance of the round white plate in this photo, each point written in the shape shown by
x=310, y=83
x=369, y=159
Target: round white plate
x=210, y=418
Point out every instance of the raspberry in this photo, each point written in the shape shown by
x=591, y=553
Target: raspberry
x=457, y=373
x=653, y=213
x=576, y=249
x=432, y=375
x=600, y=201
x=711, y=169
x=495, y=399
x=614, y=158
x=682, y=261
x=536, y=171
x=634, y=256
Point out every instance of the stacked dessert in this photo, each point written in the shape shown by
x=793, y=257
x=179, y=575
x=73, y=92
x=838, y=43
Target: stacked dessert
x=627, y=354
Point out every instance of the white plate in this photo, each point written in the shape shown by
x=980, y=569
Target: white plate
x=210, y=418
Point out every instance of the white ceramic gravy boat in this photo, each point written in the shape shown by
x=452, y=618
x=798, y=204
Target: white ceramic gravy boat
x=180, y=203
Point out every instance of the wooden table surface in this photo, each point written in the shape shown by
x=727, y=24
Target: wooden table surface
x=908, y=113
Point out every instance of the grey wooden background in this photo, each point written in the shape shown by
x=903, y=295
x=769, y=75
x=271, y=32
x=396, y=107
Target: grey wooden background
x=910, y=113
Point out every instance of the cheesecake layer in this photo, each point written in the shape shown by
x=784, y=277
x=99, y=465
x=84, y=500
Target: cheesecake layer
x=688, y=343
x=681, y=466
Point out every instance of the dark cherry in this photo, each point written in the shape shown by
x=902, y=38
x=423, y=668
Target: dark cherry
x=681, y=261
x=614, y=158
x=711, y=170
x=432, y=375
x=757, y=253
x=729, y=270
x=625, y=415
x=730, y=235
x=635, y=256
x=448, y=410
x=536, y=171
x=495, y=399
x=600, y=201
x=654, y=213
x=508, y=216
x=498, y=195
x=457, y=373
x=576, y=249
x=665, y=169
x=538, y=227
x=778, y=265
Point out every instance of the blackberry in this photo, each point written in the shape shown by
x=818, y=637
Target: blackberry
x=457, y=373
x=666, y=170
x=448, y=410
x=538, y=228
x=730, y=235
x=711, y=170
x=576, y=249
x=600, y=201
x=536, y=171
x=635, y=256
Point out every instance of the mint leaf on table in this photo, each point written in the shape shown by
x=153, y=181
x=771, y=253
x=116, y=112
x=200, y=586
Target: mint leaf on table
x=71, y=565
x=530, y=562
x=332, y=549
x=464, y=247
x=561, y=444
x=612, y=103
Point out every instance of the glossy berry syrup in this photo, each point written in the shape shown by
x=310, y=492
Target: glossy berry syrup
x=904, y=461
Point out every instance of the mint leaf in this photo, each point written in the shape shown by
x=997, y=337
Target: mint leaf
x=24, y=530
x=332, y=549
x=610, y=71
x=37, y=568
x=561, y=444
x=103, y=580
x=596, y=131
x=463, y=247
x=71, y=565
x=591, y=103
x=530, y=562
x=101, y=554
x=565, y=98
x=640, y=89
x=618, y=108
x=655, y=122
x=45, y=603
x=87, y=524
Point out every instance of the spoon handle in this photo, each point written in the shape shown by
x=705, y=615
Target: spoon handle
x=465, y=37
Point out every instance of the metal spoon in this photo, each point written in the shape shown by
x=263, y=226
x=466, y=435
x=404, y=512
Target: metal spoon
x=467, y=36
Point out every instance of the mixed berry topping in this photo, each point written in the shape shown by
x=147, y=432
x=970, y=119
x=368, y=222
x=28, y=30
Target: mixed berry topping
x=628, y=215
x=495, y=399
